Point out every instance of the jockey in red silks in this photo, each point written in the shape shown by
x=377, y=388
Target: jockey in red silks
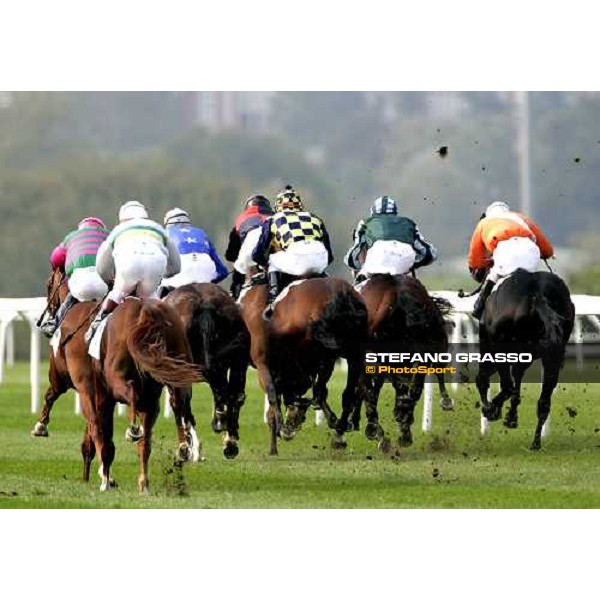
x=243, y=239
x=503, y=242
x=75, y=256
x=137, y=254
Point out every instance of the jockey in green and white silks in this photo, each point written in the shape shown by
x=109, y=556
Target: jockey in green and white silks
x=137, y=255
x=386, y=243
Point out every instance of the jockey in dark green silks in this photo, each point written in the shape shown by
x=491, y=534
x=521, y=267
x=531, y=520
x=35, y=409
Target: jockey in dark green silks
x=386, y=243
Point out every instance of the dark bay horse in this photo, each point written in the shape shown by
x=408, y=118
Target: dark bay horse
x=220, y=345
x=144, y=347
x=534, y=312
x=316, y=322
x=400, y=312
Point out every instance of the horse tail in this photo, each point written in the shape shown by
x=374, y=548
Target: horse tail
x=148, y=346
x=204, y=325
x=344, y=321
x=551, y=324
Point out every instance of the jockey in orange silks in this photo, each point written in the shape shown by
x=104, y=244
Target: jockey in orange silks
x=503, y=242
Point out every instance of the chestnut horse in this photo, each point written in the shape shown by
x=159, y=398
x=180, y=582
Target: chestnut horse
x=70, y=368
x=400, y=311
x=316, y=321
x=220, y=345
x=143, y=348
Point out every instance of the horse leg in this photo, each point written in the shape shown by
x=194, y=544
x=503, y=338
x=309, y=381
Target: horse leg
x=551, y=371
x=274, y=414
x=145, y=445
x=218, y=386
x=482, y=381
x=446, y=402
x=88, y=451
x=189, y=444
x=349, y=400
x=404, y=409
x=236, y=396
x=58, y=386
x=320, y=392
x=373, y=430
x=511, y=420
x=106, y=408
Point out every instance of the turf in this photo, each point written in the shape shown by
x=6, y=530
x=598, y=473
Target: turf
x=451, y=467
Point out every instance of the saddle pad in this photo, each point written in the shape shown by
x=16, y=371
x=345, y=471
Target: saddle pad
x=55, y=342
x=95, y=342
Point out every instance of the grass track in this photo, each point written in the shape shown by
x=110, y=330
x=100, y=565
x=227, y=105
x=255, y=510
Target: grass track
x=452, y=467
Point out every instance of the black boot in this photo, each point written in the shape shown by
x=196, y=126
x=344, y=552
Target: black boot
x=237, y=281
x=69, y=302
x=51, y=325
x=488, y=286
x=107, y=308
x=273, y=293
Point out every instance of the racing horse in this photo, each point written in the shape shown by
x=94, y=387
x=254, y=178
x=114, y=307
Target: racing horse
x=534, y=312
x=400, y=311
x=143, y=348
x=220, y=345
x=70, y=367
x=315, y=321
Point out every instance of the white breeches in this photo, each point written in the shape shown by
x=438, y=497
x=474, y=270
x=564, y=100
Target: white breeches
x=244, y=260
x=138, y=272
x=515, y=253
x=389, y=257
x=85, y=284
x=195, y=268
x=301, y=258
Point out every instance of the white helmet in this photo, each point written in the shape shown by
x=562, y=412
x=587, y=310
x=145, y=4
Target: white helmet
x=176, y=215
x=496, y=209
x=132, y=210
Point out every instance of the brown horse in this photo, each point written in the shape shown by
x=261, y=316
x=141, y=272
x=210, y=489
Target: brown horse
x=318, y=321
x=400, y=311
x=220, y=345
x=143, y=348
x=70, y=368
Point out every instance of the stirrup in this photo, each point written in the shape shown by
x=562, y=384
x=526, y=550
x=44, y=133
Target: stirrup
x=268, y=312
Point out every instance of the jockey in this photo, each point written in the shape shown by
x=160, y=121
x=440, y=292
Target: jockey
x=76, y=257
x=393, y=244
x=243, y=239
x=200, y=262
x=503, y=242
x=292, y=241
x=137, y=254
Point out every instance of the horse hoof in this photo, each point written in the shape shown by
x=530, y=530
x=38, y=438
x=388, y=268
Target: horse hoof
x=217, y=426
x=338, y=442
x=349, y=427
x=184, y=453
x=231, y=451
x=405, y=441
x=535, y=446
x=446, y=403
x=105, y=486
x=39, y=430
x=287, y=433
x=373, y=431
x=511, y=423
x=134, y=433
x=384, y=445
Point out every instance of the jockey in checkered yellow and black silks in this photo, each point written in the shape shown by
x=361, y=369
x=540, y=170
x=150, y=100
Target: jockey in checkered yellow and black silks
x=290, y=224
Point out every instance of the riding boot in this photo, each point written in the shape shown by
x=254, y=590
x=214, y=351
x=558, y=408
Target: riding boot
x=108, y=306
x=273, y=293
x=61, y=313
x=488, y=286
x=237, y=281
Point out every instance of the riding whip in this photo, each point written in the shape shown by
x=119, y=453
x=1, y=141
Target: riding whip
x=548, y=265
x=463, y=294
